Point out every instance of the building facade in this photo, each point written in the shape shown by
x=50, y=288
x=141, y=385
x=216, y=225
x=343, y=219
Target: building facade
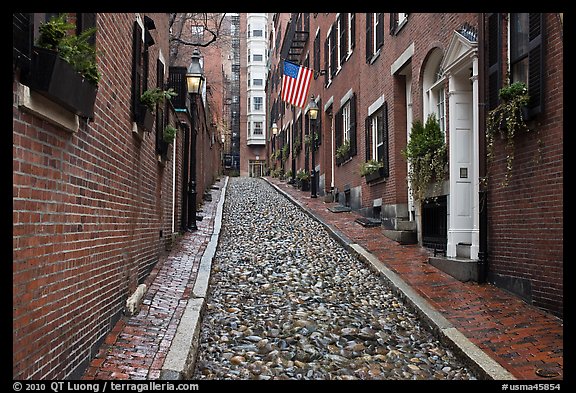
x=99, y=193
x=253, y=70
x=377, y=78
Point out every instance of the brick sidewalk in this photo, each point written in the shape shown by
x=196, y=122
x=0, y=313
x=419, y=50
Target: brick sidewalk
x=137, y=346
x=520, y=337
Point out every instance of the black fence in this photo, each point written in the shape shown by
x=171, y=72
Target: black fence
x=434, y=223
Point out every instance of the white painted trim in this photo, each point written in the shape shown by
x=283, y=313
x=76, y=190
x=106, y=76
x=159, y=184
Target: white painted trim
x=402, y=59
x=346, y=97
x=376, y=105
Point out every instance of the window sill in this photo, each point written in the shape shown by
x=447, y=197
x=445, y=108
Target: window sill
x=41, y=106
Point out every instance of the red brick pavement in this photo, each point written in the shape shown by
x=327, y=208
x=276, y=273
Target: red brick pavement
x=137, y=346
x=520, y=337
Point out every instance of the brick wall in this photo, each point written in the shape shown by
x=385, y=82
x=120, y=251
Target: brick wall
x=88, y=208
x=525, y=253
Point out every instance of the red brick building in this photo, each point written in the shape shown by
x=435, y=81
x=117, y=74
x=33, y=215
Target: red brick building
x=375, y=74
x=98, y=195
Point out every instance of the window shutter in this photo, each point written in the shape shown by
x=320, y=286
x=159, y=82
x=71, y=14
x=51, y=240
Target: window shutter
x=338, y=131
x=353, y=149
x=136, y=66
x=343, y=22
x=22, y=40
x=494, y=59
x=326, y=63
x=352, y=30
x=85, y=21
x=369, y=18
x=316, y=54
x=161, y=145
x=319, y=123
x=368, y=138
x=393, y=22
x=333, y=53
x=385, y=153
x=380, y=31
x=535, y=63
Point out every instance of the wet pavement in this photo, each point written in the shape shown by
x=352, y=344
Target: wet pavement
x=523, y=340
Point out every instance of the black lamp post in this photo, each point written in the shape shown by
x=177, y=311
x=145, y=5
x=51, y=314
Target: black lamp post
x=313, y=115
x=194, y=80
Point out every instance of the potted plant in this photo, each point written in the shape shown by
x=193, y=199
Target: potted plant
x=371, y=170
x=148, y=101
x=63, y=66
x=284, y=152
x=169, y=133
x=342, y=152
x=427, y=155
x=303, y=178
x=508, y=119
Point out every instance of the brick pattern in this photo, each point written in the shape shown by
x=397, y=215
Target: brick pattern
x=517, y=335
x=526, y=225
x=137, y=346
x=92, y=213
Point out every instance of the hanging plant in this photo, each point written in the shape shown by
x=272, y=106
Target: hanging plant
x=285, y=152
x=507, y=119
x=427, y=155
x=154, y=96
x=169, y=133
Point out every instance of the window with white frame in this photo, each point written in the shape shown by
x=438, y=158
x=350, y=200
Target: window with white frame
x=441, y=107
x=257, y=82
x=257, y=128
x=258, y=103
x=346, y=121
x=257, y=57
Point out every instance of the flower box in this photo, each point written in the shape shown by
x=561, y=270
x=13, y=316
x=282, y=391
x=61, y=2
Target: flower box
x=53, y=77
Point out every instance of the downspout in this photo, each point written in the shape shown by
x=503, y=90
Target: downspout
x=482, y=170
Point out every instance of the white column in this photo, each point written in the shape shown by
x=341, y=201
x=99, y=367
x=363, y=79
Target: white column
x=474, y=175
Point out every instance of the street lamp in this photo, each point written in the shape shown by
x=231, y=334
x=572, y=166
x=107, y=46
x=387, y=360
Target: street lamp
x=194, y=80
x=313, y=115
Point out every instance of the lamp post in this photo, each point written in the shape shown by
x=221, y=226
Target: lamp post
x=194, y=80
x=274, y=133
x=313, y=115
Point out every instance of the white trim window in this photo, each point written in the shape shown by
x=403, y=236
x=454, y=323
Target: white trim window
x=258, y=129
x=346, y=121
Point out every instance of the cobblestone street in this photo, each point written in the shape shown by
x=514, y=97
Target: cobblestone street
x=286, y=301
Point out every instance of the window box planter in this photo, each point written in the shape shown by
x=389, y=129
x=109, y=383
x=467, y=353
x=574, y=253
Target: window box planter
x=370, y=177
x=144, y=117
x=53, y=77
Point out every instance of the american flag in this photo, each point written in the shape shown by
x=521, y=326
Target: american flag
x=295, y=83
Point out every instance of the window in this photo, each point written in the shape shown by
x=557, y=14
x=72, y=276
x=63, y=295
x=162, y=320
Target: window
x=519, y=40
x=257, y=82
x=377, y=137
x=374, y=35
x=441, y=108
x=346, y=35
x=257, y=57
x=197, y=33
x=345, y=126
x=257, y=130
x=397, y=21
x=258, y=103
x=257, y=33
x=525, y=64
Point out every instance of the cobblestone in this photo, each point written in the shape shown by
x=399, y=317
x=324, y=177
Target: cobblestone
x=286, y=301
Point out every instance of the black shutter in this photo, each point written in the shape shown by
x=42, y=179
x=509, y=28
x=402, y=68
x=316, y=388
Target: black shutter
x=352, y=30
x=343, y=23
x=333, y=53
x=85, y=21
x=535, y=63
x=494, y=51
x=338, y=131
x=385, y=154
x=22, y=40
x=353, y=149
x=369, y=19
x=326, y=63
x=368, y=137
x=319, y=123
x=393, y=22
x=161, y=145
x=136, y=67
x=380, y=30
x=316, y=54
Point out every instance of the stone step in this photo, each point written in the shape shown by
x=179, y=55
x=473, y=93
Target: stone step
x=402, y=237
